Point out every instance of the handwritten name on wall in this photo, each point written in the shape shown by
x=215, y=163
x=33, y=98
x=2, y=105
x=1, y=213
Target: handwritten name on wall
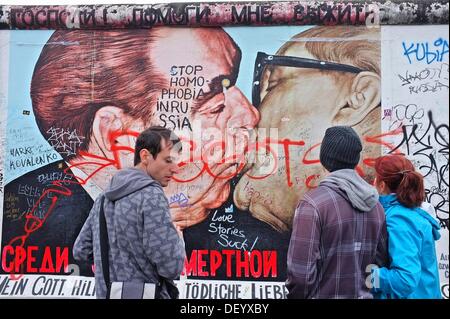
x=415, y=101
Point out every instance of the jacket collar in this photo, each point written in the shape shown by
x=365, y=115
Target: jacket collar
x=388, y=200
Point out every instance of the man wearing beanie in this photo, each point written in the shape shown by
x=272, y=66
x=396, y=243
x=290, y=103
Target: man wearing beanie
x=339, y=228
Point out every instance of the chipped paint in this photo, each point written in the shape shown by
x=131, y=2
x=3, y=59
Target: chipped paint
x=224, y=13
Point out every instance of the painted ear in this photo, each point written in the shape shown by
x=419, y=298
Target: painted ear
x=106, y=120
x=363, y=97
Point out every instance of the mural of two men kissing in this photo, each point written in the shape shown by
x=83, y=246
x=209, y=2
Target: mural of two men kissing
x=251, y=132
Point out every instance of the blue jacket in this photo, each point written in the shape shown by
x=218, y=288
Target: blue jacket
x=413, y=271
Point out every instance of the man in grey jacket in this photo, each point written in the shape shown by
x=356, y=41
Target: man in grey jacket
x=339, y=229
x=144, y=243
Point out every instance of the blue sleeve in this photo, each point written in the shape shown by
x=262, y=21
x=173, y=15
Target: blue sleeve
x=403, y=275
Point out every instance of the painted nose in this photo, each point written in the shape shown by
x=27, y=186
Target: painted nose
x=242, y=114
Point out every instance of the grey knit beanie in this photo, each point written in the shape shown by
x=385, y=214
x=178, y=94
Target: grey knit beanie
x=341, y=148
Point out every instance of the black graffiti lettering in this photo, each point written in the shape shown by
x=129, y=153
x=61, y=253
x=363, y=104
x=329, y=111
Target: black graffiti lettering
x=329, y=13
x=187, y=81
x=173, y=121
x=260, y=14
x=423, y=146
x=311, y=14
x=185, y=70
x=444, y=291
x=32, y=161
x=417, y=76
x=250, y=13
x=181, y=94
x=172, y=106
x=406, y=138
x=50, y=157
x=105, y=16
x=47, y=286
x=42, y=18
x=425, y=73
x=83, y=288
x=344, y=14
x=359, y=8
x=410, y=112
x=439, y=199
x=204, y=13
x=298, y=13
x=13, y=287
x=61, y=17
x=180, y=17
x=56, y=17
x=149, y=17
x=141, y=19
x=266, y=14
x=428, y=87
x=161, y=17
x=87, y=16
x=30, y=20
x=20, y=151
x=13, y=16
x=238, y=17
x=268, y=291
x=42, y=22
x=189, y=8
x=441, y=136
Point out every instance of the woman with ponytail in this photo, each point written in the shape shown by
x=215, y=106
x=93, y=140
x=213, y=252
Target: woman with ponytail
x=413, y=271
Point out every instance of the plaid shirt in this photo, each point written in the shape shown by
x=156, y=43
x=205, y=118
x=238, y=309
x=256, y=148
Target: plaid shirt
x=332, y=244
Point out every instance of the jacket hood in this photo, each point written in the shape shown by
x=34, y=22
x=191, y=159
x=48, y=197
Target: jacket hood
x=434, y=223
x=350, y=185
x=128, y=181
x=391, y=200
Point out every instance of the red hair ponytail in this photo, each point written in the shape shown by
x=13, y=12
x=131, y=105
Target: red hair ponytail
x=402, y=179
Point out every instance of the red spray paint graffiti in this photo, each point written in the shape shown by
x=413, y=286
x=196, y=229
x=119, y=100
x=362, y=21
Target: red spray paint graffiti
x=33, y=223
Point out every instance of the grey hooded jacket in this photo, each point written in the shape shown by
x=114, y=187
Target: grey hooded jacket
x=144, y=243
x=360, y=194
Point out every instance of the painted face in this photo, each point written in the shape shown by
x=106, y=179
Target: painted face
x=300, y=103
x=201, y=67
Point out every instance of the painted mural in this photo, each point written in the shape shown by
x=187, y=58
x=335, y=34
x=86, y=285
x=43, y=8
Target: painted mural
x=251, y=105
